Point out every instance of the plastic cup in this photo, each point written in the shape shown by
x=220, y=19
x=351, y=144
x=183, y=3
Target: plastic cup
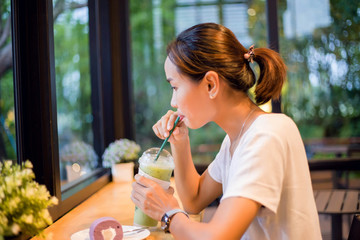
x=159, y=171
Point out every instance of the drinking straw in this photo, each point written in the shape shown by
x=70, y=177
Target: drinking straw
x=166, y=139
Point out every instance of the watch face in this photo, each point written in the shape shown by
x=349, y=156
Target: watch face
x=165, y=222
x=163, y=225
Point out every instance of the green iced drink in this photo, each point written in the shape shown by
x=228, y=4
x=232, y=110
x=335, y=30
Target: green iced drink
x=159, y=171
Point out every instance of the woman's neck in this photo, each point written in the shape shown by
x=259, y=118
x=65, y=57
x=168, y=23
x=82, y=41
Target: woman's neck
x=235, y=114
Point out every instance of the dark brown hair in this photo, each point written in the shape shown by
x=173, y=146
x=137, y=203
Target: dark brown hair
x=213, y=47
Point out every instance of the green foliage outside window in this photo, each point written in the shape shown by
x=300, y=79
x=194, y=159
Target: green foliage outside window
x=7, y=114
x=323, y=92
x=72, y=68
x=73, y=87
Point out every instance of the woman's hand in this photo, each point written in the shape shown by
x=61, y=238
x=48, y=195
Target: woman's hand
x=151, y=198
x=163, y=127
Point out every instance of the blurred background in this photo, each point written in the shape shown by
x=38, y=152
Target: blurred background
x=75, y=75
x=319, y=42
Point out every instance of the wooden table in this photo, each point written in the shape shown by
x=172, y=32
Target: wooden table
x=113, y=201
x=337, y=202
x=338, y=166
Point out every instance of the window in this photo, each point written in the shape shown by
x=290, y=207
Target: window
x=78, y=49
x=7, y=111
x=321, y=46
x=73, y=91
x=232, y=14
x=154, y=24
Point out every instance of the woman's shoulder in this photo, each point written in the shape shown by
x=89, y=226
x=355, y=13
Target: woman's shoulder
x=278, y=122
x=276, y=118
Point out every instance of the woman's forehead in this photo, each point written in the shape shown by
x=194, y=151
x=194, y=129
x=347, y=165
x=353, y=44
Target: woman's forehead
x=169, y=65
x=171, y=70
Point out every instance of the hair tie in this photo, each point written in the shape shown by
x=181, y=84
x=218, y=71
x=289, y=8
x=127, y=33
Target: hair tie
x=250, y=54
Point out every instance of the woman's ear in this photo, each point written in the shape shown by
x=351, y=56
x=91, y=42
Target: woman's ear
x=212, y=82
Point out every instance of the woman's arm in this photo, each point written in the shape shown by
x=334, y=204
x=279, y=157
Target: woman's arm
x=231, y=219
x=196, y=192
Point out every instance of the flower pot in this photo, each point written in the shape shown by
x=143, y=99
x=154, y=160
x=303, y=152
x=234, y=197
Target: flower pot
x=122, y=172
x=72, y=173
x=75, y=171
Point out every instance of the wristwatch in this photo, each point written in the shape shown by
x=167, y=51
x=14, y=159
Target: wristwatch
x=166, y=218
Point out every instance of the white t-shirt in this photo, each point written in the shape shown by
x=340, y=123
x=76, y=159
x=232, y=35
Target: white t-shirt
x=270, y=167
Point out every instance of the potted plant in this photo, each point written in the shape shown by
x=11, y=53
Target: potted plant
x=79, y=158
x=120, y=155
x=23, y=202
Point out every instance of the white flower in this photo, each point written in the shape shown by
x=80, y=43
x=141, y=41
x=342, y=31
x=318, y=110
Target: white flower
x=23, y=202
x=46, y=216
x=2, y=194
x=13, y=204
x=54, y=200
x=27, y=218
x=121, y=150
x=7, y=164
x=29, y=191
x=15, y=229
x=79, y=152
x=28, y=164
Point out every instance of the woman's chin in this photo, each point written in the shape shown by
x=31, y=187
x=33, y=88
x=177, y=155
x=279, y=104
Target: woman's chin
x=193, y=125
x=188, y=123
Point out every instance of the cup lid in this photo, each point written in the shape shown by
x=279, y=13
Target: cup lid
x=165, y=159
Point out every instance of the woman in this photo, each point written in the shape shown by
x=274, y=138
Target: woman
x=261, y=171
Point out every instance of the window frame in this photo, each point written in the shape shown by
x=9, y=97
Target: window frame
x=273, y=40
x=35, y=93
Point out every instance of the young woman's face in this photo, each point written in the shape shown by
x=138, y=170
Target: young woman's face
x=191, y=99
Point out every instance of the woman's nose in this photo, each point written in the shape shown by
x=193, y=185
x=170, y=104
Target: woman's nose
x=173, y=102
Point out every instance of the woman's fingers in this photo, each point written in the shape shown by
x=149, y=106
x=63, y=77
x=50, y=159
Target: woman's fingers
x=144, y=188
x=137, y=198
x=145, y=182
x=164, y=121
x=164, y=125
x=171, y=121
x=151, y=198
x=139, y=194
x=157, y=131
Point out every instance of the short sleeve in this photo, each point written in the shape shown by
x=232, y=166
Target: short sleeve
x=257, y=169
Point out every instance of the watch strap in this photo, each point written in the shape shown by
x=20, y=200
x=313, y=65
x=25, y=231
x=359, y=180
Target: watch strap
x=174, y=211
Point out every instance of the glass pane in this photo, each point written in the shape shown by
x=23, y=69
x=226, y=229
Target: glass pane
x=154, y=25
x=186, y=17
x=320, y=43
x=73, y=89
x=235, y=14
x=186, y=1
x=7, y=114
